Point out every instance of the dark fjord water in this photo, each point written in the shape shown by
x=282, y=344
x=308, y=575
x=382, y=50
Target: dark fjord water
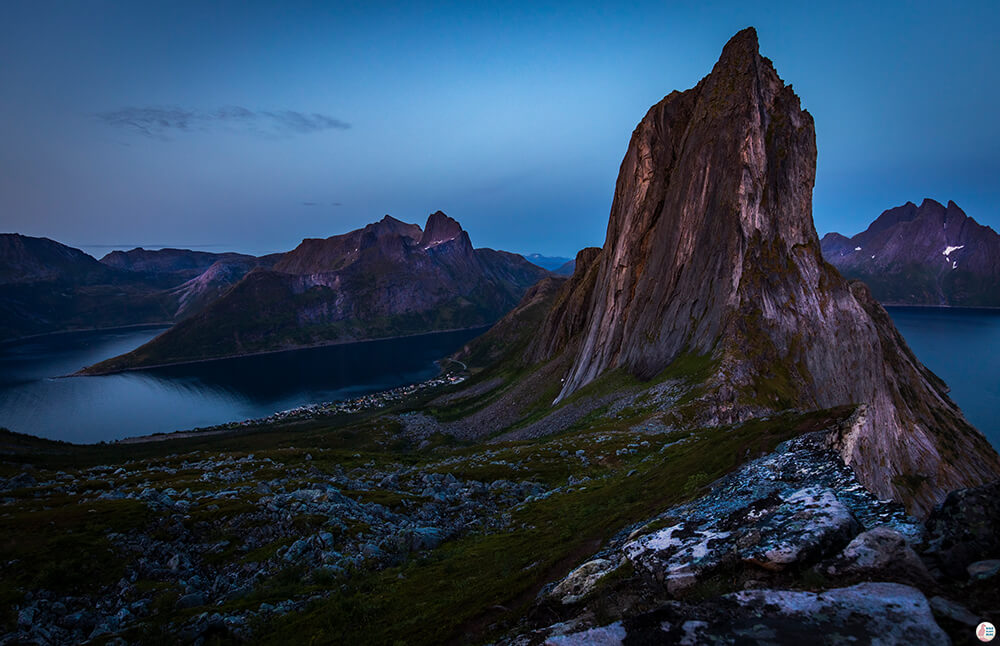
x=92, y=409
x=961, y=346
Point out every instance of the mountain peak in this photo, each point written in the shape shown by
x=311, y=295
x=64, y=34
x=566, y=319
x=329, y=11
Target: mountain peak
x=954, y=210
x=927, y=255
x=711, y=251
x=389, y=225
x=439, y=228
x=743, y=46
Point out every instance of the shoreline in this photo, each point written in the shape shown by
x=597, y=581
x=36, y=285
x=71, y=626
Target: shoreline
x=306, y=411
x=985, y=308
x=166, y=325
x=81, y=373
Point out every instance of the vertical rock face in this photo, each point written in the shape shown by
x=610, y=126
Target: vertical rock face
x=568, y=315
x=711, y=249
x=710, y=175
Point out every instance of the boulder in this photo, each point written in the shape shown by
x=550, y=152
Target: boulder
x=809, y=523
x=950, y=610
x=982, y=570
x=965, y=528
x=868, y=613
x=881, y=552
x=773, y=532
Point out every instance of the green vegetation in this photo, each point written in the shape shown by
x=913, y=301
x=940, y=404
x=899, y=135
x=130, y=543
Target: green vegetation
x=62, y=547
x=462, y=589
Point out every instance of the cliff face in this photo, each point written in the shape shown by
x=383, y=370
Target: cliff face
x=711, y=250
x=568, y=315
x=927, y=255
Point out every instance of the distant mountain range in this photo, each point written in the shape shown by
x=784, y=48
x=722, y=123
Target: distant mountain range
x=922, y=255
x=388, y=279
x=555, y=264
x=47, y=287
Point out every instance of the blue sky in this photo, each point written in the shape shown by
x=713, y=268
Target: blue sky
x=249, y=126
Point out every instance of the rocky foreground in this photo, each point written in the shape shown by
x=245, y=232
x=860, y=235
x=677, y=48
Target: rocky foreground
x=797, y=516
x=621, y=532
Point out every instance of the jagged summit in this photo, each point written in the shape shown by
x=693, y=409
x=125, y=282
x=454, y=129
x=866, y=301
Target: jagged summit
x=439, y=228
x=711, y=251
x=389, y=225
x=694, y=190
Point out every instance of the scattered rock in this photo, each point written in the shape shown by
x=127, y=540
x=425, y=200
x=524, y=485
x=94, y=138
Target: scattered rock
x=582, y=580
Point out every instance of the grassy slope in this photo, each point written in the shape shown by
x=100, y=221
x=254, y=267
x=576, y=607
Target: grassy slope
x=473, y=587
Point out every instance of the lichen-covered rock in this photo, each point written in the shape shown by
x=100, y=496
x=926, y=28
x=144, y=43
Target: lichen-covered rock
x=795, y=506
x=882, y=552
x=612, y=635
x=678, y=555
x=809, y=522
x=868, y=613
x=582, y=580
x=772, y=532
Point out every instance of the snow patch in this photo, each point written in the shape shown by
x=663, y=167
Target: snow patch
x=857, y=248
x=947, y=250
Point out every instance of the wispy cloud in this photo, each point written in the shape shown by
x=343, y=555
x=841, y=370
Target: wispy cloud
x=161, y=122
x=320, y=203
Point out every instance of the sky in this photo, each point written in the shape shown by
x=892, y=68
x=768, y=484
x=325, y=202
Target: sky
x=248, y=126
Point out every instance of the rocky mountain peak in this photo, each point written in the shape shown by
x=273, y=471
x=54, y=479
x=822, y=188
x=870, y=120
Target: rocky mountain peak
x=390, y=226
x=439, y=228
x=709, y=173
x=711, y=250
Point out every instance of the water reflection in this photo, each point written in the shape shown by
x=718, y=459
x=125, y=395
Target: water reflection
x=91, y=409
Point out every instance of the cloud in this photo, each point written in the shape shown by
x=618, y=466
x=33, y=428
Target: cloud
x=161, y=122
